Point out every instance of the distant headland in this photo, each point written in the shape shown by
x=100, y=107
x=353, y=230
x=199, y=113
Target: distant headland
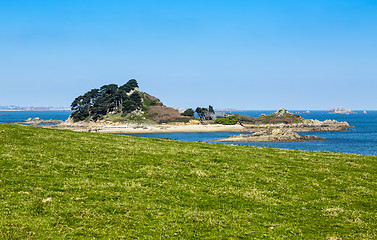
x=18, y=108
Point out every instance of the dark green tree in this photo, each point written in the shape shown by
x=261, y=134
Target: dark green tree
x=136, y=98
x=133, y=103
x=80, y=108
x=129, y=106
x=210, y=110
x=202, y=112
x=130, y=85
x=109, y=98
x=189, y=112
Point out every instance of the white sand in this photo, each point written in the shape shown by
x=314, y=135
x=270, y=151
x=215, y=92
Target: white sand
x=149, y=128
x=170, y=128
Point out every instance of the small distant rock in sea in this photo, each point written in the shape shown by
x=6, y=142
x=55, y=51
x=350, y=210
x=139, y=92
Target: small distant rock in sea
x=341, y=110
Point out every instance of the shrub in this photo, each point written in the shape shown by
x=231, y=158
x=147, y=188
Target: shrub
x=244, y=118
x=227, y=121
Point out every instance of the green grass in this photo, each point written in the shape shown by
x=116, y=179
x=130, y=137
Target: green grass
x=61, y=184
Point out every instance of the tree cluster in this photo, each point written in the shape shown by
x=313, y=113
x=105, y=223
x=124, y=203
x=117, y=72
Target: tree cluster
x=203, y=113
x=110, y=98
x=188, y=113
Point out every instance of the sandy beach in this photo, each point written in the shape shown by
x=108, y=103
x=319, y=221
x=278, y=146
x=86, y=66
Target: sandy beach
x=172, y=128
x=148, y=128
x=111, y=127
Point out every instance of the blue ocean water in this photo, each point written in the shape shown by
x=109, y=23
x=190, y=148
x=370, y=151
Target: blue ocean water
x=361, y=140
x=18, y=116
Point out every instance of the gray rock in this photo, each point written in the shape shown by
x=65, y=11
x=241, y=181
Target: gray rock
x=38, y=121
x=341, y=110
x=275, y=135
x=282, y=113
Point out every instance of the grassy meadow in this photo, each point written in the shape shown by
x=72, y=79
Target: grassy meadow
x=57, y=184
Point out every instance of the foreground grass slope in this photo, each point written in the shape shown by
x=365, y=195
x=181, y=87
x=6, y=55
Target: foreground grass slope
x=63, y=184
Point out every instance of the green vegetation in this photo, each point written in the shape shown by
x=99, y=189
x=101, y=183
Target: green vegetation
x=245, y=118
x=109, y=99
x=148, y=102
x=123, y=104
x=211, y=110
x=188, y=113
x=59, y=184
x=280, y=116
x=205, y=113
x=202, y=112
x=231, y=120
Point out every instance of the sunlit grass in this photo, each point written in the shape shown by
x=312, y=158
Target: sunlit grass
x=63, y=184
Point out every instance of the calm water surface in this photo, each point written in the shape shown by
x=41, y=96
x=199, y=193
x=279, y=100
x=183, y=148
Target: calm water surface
x=18, y=116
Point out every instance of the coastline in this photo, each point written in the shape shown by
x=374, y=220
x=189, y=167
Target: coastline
x=310, y=126
x=284, y=131
x=340, y=141
x=148, y=128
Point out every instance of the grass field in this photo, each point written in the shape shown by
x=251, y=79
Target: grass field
x=62, y=184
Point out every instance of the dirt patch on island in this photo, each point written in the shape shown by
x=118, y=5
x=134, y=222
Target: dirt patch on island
x=163, y=114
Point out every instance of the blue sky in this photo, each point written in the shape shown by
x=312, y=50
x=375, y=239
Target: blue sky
x=241, y=54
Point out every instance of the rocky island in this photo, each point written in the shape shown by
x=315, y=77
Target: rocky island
x=126, y=109
x=37, y=121
x=342, y=110
x=283, y=126
x=275, y=135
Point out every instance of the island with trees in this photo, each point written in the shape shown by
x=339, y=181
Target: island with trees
x=126, y=109
x=121, y=104
x=126, y=103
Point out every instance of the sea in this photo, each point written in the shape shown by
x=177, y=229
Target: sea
x=19, y=116
x=361, y=140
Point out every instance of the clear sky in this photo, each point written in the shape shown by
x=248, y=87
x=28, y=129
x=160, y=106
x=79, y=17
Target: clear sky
x=243, y=54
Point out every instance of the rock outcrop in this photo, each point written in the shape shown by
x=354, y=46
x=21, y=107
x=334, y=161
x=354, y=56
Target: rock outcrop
x=304, y=126
x=341, y=110
x=38, y=121
x=286, y=132
x=280, y=116
x=276, y=135
x=281, y=113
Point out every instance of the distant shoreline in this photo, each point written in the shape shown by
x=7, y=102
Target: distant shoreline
x=34, y=110
x=67, y=110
